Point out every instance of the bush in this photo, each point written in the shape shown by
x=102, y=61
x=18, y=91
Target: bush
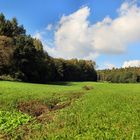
x=7, y=78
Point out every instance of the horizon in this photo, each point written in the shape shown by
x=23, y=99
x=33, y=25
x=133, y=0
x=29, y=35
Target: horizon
x=106, y=32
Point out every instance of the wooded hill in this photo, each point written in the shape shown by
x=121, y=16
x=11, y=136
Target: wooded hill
x=22, y=58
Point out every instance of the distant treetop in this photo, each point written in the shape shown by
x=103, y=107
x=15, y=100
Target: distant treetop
x=10, y=28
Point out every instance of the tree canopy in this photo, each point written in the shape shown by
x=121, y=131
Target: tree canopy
x=23, y=58
x=122, y=75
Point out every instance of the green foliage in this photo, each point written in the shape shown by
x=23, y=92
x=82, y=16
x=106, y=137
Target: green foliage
x=10, y=28
x=6, y=52
x=9, y=121
x=75, y=70
x=123, y=75
x=26, y=60
x=38, y=45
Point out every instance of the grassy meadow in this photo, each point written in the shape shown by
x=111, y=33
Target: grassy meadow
x=69, y=111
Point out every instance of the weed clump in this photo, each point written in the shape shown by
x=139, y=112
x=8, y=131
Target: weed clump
x=11, y=120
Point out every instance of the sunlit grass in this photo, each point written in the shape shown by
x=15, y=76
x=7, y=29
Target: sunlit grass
x=107, y=111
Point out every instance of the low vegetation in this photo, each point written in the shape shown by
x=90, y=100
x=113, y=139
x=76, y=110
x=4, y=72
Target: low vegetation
x=11, y=120
x=69, y=111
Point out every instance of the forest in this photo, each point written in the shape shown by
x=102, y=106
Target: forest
x=120, y=75
x=22, y=58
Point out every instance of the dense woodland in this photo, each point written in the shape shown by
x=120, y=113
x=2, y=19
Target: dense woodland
x=122, y=75
x=23, y=58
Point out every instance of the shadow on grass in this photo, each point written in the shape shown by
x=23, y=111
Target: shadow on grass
x=48, y=83
x=61, y=83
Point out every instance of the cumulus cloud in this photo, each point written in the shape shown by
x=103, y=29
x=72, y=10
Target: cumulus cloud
x=76, y=37
x=131, y=63
x=71, y=37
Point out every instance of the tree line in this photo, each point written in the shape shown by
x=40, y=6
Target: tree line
x=22, y=58
x=122, y=75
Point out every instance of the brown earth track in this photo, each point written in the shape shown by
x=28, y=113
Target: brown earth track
x=37, y=108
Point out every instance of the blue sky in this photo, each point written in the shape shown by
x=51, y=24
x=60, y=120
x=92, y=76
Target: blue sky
x=36, y=15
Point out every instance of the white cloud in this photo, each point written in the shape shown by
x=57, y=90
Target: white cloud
x=49, y=27
x=71, y=37
x=76, y=37
x=38, y=35
x=131, y=63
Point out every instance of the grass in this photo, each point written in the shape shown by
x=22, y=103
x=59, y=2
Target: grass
x=105, y=112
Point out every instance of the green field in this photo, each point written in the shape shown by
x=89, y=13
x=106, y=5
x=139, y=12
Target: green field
x=68, y=111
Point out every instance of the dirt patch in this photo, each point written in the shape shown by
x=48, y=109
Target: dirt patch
x=87, y=87
x=60, y=106
x=33, y=108
x=37, y=108
x=2, y=137
x=43, y=110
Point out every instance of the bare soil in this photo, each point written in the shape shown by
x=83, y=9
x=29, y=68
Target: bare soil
x=41, y=111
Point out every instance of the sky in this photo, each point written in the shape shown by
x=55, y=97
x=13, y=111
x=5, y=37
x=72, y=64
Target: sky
x=105, y=31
